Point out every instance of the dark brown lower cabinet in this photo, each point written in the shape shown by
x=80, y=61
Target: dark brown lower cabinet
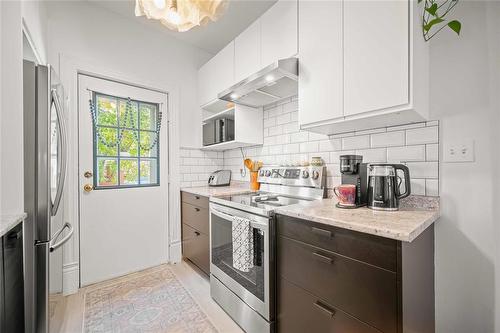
x=301, y=311
x=337, y=280
x=195, y=230
x=195, y=247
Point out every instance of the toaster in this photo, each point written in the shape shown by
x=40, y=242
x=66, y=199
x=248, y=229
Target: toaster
x=220, y=178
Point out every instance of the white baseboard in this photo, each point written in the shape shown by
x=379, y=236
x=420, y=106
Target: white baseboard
x=71, y=278
x=175, y=252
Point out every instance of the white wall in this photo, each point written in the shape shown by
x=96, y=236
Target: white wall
x=34, y=15
x=86, y=31
x=11, y=128
x=464, y=96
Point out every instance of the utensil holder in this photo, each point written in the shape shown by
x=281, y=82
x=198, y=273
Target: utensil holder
x=254, y=184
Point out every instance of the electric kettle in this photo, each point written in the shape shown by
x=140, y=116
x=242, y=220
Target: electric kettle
x=384, y=186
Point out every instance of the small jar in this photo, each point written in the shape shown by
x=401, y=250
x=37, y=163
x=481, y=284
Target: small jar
x=316, y=161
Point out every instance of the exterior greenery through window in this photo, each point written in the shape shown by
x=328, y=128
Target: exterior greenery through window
x=123, y=157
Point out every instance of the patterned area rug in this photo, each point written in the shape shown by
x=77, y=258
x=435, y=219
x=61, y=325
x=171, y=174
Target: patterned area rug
x=148, y=301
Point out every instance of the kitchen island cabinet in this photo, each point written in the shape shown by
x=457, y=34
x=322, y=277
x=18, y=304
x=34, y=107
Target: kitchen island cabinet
x=332, y=279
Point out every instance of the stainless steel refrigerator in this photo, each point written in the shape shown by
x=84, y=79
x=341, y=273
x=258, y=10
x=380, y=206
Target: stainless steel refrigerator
x=45, y=159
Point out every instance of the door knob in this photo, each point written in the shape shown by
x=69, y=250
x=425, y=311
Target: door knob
x=87, y=174
x=88, y=188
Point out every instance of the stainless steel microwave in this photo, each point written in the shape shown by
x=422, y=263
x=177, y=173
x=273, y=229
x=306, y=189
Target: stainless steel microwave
x=218, y=131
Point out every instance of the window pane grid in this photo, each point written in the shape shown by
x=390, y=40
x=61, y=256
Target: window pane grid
x=134, y=166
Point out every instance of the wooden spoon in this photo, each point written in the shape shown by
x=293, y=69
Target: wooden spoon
x=248, y=163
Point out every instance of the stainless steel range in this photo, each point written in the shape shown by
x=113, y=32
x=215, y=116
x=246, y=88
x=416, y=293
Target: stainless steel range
x=242, y=243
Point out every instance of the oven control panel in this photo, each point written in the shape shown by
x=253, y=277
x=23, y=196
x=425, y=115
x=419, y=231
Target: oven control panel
x=310, y=176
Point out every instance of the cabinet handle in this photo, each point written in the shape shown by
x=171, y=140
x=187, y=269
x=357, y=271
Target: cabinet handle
x=325, y=309
x=323, y=258
x=197, y=197
x=321, y=232
x=197, y=233
x=197, y=209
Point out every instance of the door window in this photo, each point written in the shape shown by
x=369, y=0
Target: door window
x=126, y=139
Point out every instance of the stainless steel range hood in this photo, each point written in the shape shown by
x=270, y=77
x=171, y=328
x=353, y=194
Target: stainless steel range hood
x=271, y=84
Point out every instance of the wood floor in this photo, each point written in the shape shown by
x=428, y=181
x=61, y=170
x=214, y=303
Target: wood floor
x=190, y=277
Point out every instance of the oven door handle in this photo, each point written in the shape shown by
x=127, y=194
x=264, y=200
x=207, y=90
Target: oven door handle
x=225, y=216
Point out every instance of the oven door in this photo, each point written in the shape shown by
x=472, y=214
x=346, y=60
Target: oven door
x=253, y=287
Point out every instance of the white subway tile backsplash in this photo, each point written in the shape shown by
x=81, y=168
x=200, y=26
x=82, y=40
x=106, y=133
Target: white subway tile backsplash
x=309, y=147
x=406, y=154
x=416, y=145
x=275, y=130
x=432, y=152
x=329, y=145
x=417, y=186
x=388, y=139
x=432, y=187
x=424, y=169
x=299, y=137
x=283, y=119
x=422, y=135
x=291, y=127
x=356, y=142
x=377, y=155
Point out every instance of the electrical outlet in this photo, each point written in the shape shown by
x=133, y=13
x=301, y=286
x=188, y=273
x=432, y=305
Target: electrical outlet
x=459, y=151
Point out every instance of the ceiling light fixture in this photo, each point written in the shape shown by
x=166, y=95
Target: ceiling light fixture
x=181, y=15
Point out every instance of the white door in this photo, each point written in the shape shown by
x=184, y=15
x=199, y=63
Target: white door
x=123, y=179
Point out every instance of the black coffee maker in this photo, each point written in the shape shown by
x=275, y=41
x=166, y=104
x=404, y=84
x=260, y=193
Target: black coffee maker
x=355, y=172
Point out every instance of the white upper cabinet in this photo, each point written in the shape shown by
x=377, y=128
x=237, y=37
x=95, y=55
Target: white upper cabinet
x=320, y=65
x=279, y=31
x=363, y=64
x=247, y=52
x=376, y=47
x=216, y=75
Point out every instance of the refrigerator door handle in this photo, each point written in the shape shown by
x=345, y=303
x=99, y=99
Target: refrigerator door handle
x=53, y=244
x=64, y=152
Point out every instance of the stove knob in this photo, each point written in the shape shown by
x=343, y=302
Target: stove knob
x=268, y=173
x=261, y=173
x=305, y=174
x=315, y=174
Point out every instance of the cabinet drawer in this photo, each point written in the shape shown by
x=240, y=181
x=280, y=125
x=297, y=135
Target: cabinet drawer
x=300, y=311
x=195, y=247
x=378, y=251
x=366, y=292
x=194, y=199
x=196, y=217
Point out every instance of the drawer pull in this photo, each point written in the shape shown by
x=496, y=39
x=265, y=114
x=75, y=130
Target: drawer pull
x=321, y=232
x=323, y=258
x=325, y=309
x=197, y=209
x=197, y=233
x=197, y=197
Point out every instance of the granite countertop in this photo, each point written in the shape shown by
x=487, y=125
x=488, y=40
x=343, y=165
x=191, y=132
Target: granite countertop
x=7, y=222
x=403, y=225
x=219, y=191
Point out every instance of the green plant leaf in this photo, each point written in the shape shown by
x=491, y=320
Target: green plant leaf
x=455, y=26
x=419, y=1
x=432, y=9
x=429, y=25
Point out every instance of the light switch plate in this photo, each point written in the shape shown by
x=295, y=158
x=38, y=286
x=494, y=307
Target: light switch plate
x=459, y=151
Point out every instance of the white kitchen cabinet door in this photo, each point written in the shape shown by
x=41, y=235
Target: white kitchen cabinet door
x=376, y=55
x=247, y=52
x=216, y=75
x=279, y=31
x=320, y=63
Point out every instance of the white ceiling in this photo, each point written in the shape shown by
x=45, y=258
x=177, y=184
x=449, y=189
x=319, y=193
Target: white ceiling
x=212, y=37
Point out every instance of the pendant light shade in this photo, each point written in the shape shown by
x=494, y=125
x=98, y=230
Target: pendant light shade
x=181, y=15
